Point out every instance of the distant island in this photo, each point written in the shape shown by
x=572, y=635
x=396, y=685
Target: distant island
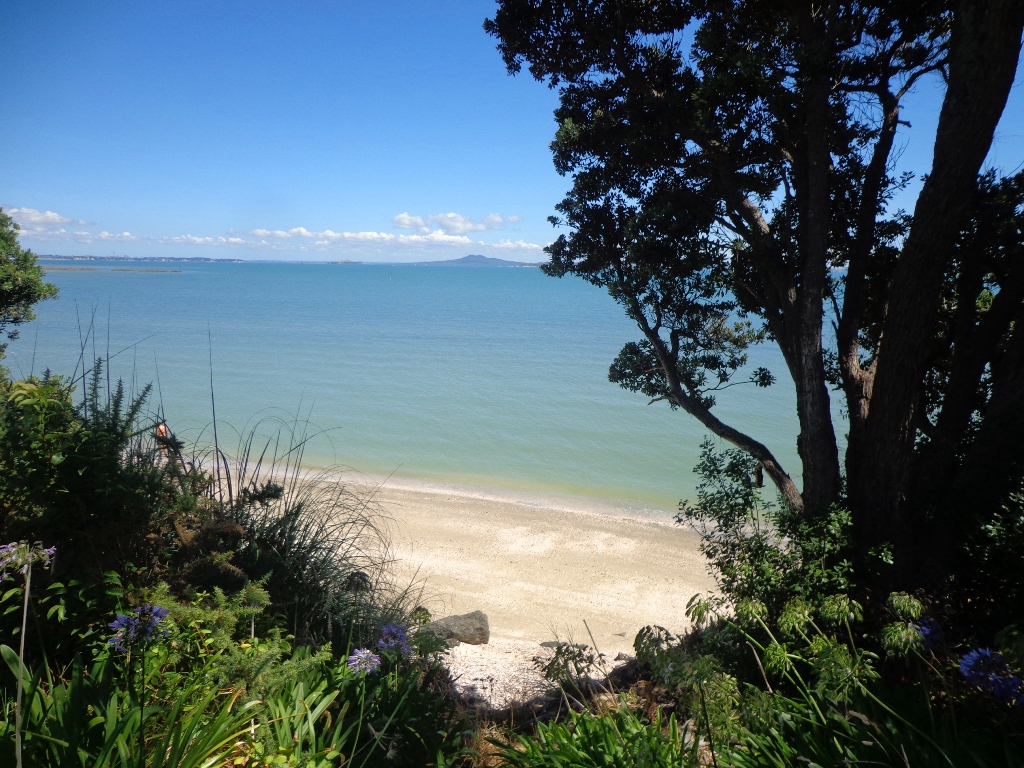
x=474, y=260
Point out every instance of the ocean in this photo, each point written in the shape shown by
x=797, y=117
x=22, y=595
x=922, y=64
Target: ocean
x=474, y=377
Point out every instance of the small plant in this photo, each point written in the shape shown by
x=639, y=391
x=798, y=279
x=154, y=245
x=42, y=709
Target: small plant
x=20, y=556
x=569, y=667
x=371, y=708
x=620, y=738
x=132, y=633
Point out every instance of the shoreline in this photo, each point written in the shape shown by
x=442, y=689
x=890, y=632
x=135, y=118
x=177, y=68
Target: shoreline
x=564, y=501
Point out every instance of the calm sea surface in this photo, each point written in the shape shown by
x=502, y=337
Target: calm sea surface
x=493, y=377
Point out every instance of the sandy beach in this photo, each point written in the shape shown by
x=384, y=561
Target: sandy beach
x=540, y=570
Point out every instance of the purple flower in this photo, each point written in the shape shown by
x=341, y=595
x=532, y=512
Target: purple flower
x=986, y=669
x=363, y=660
x=930, y=633
x=137, y=628
x=20, y=555
x=394, y=637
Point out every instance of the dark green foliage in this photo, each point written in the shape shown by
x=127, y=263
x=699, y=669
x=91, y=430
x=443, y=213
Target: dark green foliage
x=761, y=551
x=91, y=718
x=81, y=477
x=619, y=739
x=987, y=587
x=315, y=713
x=93, y=480
x=21, y=284
x=64, y=617
x=814, y=693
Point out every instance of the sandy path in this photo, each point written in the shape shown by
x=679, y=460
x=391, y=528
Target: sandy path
x=538, y=571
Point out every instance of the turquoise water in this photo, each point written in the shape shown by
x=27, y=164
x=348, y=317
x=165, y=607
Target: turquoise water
x=492, y=377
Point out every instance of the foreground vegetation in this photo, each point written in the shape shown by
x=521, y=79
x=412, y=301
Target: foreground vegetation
x=164, y=620
x=186, y=616
x=169, y=606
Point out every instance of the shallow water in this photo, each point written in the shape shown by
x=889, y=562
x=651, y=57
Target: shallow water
x=492, y=377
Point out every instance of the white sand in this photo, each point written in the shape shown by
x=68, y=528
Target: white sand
x=539, y=571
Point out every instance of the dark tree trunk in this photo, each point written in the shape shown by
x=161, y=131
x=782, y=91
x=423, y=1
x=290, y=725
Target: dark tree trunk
x=816, y=444
x=985, y=48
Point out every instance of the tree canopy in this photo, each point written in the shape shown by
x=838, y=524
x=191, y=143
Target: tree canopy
x=733, y=183
x=21, y=282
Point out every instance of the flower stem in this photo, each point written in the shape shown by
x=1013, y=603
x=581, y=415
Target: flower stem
x=21, y=667
x=142, y=707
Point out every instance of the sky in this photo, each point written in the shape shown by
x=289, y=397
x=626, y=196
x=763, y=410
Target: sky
x=384, y=131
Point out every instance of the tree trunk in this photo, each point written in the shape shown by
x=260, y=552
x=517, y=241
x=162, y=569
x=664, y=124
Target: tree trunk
x=816, y=443
x=985, y=47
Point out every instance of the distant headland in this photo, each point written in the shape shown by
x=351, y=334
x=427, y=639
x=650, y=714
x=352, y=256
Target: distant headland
x=474, y=260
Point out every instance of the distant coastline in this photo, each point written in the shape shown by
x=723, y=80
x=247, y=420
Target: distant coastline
x=473, y=260
x=176, y=259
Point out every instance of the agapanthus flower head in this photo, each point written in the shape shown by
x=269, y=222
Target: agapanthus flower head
x=986, y=669
x=364, y=660
x=394, y=637
x=20, y=555
x=137, y=628
x=930, y=633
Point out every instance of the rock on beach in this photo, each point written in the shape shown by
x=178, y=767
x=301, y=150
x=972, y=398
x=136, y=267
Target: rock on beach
x=471, y=628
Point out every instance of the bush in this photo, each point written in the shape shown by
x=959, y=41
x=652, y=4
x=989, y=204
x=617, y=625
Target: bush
x=618, y=739
x=314, y=542
x=817, y=697
x=206, y=697
x=82, y=477
x=757, y=550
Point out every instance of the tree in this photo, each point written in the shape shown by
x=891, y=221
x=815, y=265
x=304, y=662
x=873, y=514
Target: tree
x=21, y=282
x=732, y=166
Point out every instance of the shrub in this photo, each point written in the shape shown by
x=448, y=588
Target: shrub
x=287, y=707
x=757, y=550
x=619, y=739
x=818, y=697
x=315, y=542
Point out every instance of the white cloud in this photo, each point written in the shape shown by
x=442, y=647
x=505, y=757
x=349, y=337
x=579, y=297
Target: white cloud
x=188, y=240
x=405, y=221
x=457, y=224
x=369, y=236
x=49, y=226
x=435, y=237
x=324, y=237
x=31, y=220
x=81, y=236
x=116, y=237
x=30, y=217
x=521, y=245
x=273, y=232
x=450, y=232
x=453, y=223
x=424, y=234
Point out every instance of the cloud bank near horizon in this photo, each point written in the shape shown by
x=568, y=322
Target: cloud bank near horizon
x=426, y=235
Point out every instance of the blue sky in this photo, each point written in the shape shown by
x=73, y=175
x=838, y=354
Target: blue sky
x=381, y=131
